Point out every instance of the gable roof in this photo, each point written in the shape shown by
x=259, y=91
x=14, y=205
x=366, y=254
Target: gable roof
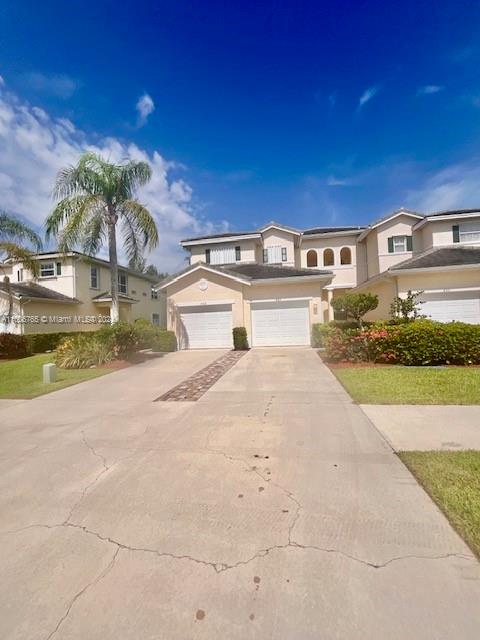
x=441, y=257
x=32, y=290
x=391, y=216
x=331, y=230
x=248, y=273
x=447, y=215
x=283, y=227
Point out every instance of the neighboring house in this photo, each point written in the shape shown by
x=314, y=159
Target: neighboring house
x=72, y=293
x=277, y=281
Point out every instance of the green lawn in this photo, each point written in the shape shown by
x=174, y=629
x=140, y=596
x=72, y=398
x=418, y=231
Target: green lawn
x=23, y=378
x=411, y=385
x=452, y=479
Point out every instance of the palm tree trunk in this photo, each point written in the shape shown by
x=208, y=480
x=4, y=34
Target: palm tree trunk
x=112, y=251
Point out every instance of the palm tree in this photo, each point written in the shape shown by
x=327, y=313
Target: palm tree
x=92, y=197
x=13, y=234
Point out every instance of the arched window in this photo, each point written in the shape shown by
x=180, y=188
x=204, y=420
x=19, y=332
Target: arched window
x=328, y=258
x=312, y=258
x=345, y=255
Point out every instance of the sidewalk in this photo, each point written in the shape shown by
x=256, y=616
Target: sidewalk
x=427, y=427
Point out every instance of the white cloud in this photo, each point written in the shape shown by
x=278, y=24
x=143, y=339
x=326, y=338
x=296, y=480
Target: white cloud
x=145, y=106
x=59, y=85
x=332, y=181
x=457, y=186
x=367, y=95
x=34, y=146
x=429, y=89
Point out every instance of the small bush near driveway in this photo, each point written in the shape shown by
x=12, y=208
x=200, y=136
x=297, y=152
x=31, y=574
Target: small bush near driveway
x=164, y=341
x=240, y=339
x=452, y=479
x=381, y=384
x=13, y=346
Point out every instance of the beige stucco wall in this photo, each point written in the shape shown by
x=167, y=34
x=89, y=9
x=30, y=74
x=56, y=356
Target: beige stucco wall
x=219, y=288
x=344, y=274
x=439, y=280
x=401, y=226
x=386, y=291
x=247, y=250
x=439, y=233
x=278, y=238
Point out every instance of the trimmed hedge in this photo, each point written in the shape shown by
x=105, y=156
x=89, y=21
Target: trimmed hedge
x=164, y=341
x=240, y=339
x=41, y=342
x=422, y=342
x=13, y=346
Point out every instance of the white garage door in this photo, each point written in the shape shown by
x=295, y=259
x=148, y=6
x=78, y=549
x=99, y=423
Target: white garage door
x=445, y=307
x=203, y=327
x=280, y=323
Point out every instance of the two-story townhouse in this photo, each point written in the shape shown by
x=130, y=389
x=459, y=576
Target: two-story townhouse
x=72, y=293
x=444, y=265
x=266, y=280
x=277, y=281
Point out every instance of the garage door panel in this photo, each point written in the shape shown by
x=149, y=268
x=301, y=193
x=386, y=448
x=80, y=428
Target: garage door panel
x=281, y=323
x=205, y=327
x=448, y=307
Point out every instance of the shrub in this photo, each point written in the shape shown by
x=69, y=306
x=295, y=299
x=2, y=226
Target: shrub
x=83, y=350
x=41, y=342
x=164, y=341
x=422, y=342
x=240, y=339
x=13, y=346
x=355, y=305
x=408, y=308
x=120, y=337
x=321, y=331
x=146, y=333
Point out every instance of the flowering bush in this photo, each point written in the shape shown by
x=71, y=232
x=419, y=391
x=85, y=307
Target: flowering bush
x=422, y=342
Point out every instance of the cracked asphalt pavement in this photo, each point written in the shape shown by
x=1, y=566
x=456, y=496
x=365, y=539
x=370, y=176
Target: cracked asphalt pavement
x=269, y=509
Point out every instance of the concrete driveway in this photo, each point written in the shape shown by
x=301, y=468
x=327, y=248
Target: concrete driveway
x=269, y=509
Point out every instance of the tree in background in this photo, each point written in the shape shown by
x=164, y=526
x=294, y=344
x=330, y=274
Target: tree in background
x=408, y=308
x=355, y=305
x=93, y=197
x=141, y=266
x=14, y=235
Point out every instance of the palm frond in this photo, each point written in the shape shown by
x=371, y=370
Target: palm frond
x=13, y=251
x=12, y=229
x=132, y=176
x=86, y=177
x=142, y=220
x=67, y=220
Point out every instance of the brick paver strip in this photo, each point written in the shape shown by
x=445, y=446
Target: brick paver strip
x=194, y=387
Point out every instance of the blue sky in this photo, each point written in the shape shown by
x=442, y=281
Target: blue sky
x=310, y=113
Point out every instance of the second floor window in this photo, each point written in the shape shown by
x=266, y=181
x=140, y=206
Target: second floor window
x=224, y=255
x=275, y=255
x=47, y=269
x=20, y=275
x=399, y=244
x=154, y=294
x=94, y=277
x=467, y=232
x=122, y=283
x=328, y=258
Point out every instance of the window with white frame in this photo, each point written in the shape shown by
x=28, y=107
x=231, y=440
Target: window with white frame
x=225, y=255
x=47, y=269
x=156, y=319
x=469, y=232
x=399, y=244
x=275, y=255
x=122, y=282
x=20, y=275
x=94, y=279
x=154, y=294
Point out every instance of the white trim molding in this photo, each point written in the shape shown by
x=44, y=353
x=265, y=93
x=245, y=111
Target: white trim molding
x=302, y=299
x=452, y=217
x=192, y=243
x=203, y=303
x=198, y=266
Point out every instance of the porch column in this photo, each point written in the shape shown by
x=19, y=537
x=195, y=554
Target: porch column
x=330, y=308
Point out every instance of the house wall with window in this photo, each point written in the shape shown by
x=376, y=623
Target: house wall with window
x=344, y=250
x=444, y=233
x=278, y=248
x=394, y=242
x=225, y=253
